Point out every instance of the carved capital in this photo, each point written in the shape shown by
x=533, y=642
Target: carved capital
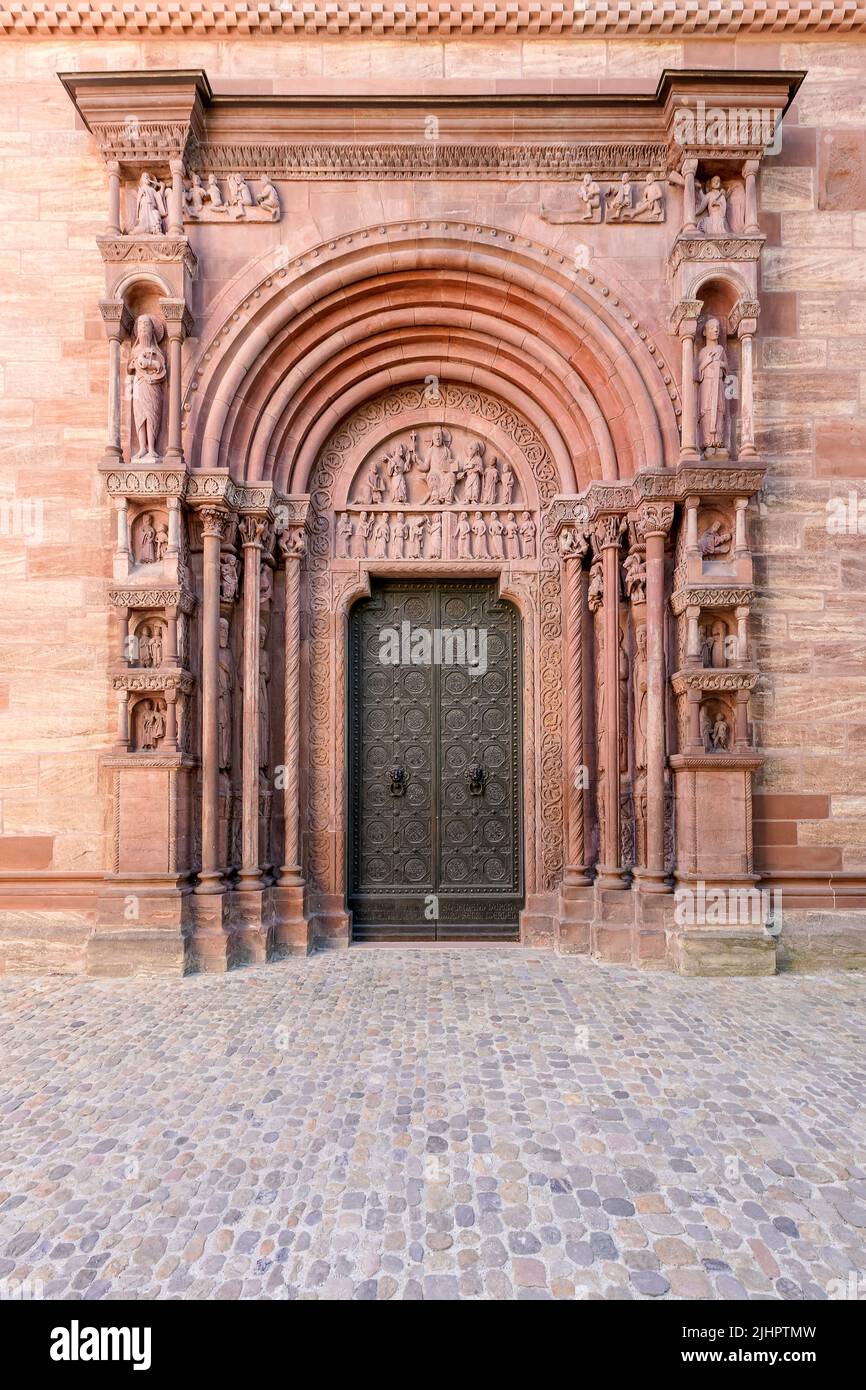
x=178, y=319
x=654, y=519
x=744, y=316
x=684, y=317
x=214, y=522
x=254, y=531
x=116, y=317
x=608, y=532
x=293, y=543
x=574, y=542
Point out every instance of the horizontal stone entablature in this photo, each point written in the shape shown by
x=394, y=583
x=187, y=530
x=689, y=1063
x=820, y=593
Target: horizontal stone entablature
x=709, y=680
x=712, y=596
x=152, y=596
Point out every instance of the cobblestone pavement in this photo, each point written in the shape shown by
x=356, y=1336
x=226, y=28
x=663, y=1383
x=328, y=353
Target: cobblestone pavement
x=405, y=1123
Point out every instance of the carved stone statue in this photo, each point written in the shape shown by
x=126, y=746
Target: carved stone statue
x=527, y=536
x=595, y=593
x=714, y=540
x=146, y=366
x=240, y=196
x=589, y=195
x=269, y=199
x=650, y=206
x=507, y=482
x=714, y=203
x=194, y=196
x=495, y=530
x=720, y=733
x=365, y=530
x=344, y=536
x=439, y=466
x=150, y=208
x=634, y=576
x=266, y=585
x=472, y=471
x=718, y=635
x=464, y=531
x=417, y=532
x=229, y=577
x=381, y=536
x=479, y=536
x=399, y=464
x=512, y=542
x=618, y=201
x=152, y=725
x=147, y=540
x=706, y=729
x=264, y=706
x=622, y=675
x=399, y=532
x=640, y=697
x=436, y=537
x=712, y=373
x=154, y=646
x=491, y=483
x=214, y=194
x=226, y=681
x=161, y=540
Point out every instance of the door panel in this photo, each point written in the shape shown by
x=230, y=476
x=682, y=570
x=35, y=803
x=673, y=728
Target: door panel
x=435, y=830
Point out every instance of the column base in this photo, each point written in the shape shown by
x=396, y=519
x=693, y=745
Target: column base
x=651, y=880
x=290, y=934
x=574, y=927
x=250, y=924
x=610, y=877
x=208, y=951
x=210, y=881
x=729, y=951
x=538, y=920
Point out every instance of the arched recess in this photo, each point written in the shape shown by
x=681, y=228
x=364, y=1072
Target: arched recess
x=295, y=348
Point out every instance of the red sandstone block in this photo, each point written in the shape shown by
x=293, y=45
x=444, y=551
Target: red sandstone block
x=772, y=832
x=26, y=851
x=800, y=857
x=790, y=806
x=840, y=449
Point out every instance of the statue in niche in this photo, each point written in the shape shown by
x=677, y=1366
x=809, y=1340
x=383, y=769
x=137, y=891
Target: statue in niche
x=640, y=697
x=595, y=593
x=345, y=529
x=438, y=465
x=622, y=677
x=715, y=540
x=399, y=532
x=714, y=203
x=150, y=207
x=472, y=471
x=512, y=542
x=634, y=576
x=720, y=733
x=269, y=200
x=266, y=585
x=507, y=482
x=706, y=729
x=147, y=541
x=154, y=646
x=712, y=373
x=495, y=530
x=491, y=483
x=650, y=206
x=399, y=464
x=717, y=637
x=152, y=725
x=146, y=366
x=479, y=536
x=464, y=531
x=527, y=536
x=436, y=537
x=381, y=536
x=229, y=577
x=226, y=681
x=375, y=486
x=264, y=707
x=618, y=201
x=417, y=532
x=365, y=530
x=142, y=645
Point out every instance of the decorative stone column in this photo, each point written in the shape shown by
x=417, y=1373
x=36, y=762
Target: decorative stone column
x=291, y=931
x=575, y=874
x=743, y=320
x=684, y=322
x=178, y=322
x=654, y=521
x=608, y=534
x=750, y=172
x=252, y=536
x=688, y=171
x=214, y=523
x=118, y=324
x=175, y=198
x=112, y=226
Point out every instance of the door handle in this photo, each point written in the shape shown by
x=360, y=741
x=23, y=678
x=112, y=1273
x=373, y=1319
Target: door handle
x=477, y=776
x=399, y=779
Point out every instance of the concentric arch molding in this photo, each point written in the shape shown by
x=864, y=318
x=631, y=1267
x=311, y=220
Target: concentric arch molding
x=392, y=18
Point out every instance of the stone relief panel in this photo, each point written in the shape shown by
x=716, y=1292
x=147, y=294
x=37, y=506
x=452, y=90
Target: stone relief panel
x=624, y=201
x=233, y=200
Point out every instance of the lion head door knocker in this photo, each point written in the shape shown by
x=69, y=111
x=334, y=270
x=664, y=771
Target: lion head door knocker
x=477, y=779
x=398, y=780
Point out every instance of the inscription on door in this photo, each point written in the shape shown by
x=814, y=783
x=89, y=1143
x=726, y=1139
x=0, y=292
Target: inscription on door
x=434, y=755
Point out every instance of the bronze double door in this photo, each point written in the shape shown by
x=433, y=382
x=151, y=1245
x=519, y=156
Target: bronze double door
x=435, y=808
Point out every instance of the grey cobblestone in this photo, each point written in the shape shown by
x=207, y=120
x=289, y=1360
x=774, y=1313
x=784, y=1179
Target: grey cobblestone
x=422, y=1124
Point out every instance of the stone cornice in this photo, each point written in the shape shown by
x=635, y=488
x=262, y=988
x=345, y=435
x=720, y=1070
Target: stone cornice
x=596, y=18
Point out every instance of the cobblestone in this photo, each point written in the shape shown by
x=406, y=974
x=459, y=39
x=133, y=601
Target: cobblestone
x=389, y=1124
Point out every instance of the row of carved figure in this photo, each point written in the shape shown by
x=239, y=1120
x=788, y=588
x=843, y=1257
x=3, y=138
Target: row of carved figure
x=715, y=205
x=403, y=537
x=203, y=202
x=484, y=481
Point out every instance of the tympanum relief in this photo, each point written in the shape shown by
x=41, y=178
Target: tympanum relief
x=470, y=496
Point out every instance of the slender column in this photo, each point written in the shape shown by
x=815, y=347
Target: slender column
x=175, y=198
x=117, y=322
x=177, y=322
x=653, y=524
x=123, y=634
x=742, y=716
x=123, y=718
x=292, y=546
x=692, y=504
x=252, y=532
x=214, y=523
x=741, y=545
x=747, y=407
x=171, y=636
x=113, y=225
x=173, y=546
x=689, y=444
x=689, y=169
x=693, y=699
x=750, y=170
x=608, y=533
x=693, y=636
x=575, y=869
x=171, y=718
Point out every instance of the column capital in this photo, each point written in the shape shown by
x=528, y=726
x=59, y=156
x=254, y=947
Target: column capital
x=116, y=317
x=684, y=317
x=608, y=532
x=214, y=522
x=743, y=318
x=654, y=519
x=574, y=542
x=253, y=531
x=178, y=319
x=293, y=543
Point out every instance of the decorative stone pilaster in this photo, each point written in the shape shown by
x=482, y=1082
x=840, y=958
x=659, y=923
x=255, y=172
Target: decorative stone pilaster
x=608, y=534
x=178, y=322
x=291, y=930
x=653, y=523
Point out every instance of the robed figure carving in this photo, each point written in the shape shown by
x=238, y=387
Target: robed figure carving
x=150, y=208
x=712, y=373
x=146, y=366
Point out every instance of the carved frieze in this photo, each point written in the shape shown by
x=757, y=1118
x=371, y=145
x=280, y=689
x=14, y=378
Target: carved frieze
x=711, y=597
x=206, y=200
x=721, y=248
x=620, y=202
x=138, y=250
x=140, y=482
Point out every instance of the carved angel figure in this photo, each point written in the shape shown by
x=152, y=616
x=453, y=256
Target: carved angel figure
x=150, y=208
x=146, y=366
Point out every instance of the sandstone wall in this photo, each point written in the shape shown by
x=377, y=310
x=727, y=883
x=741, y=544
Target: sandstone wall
x=56, y=712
